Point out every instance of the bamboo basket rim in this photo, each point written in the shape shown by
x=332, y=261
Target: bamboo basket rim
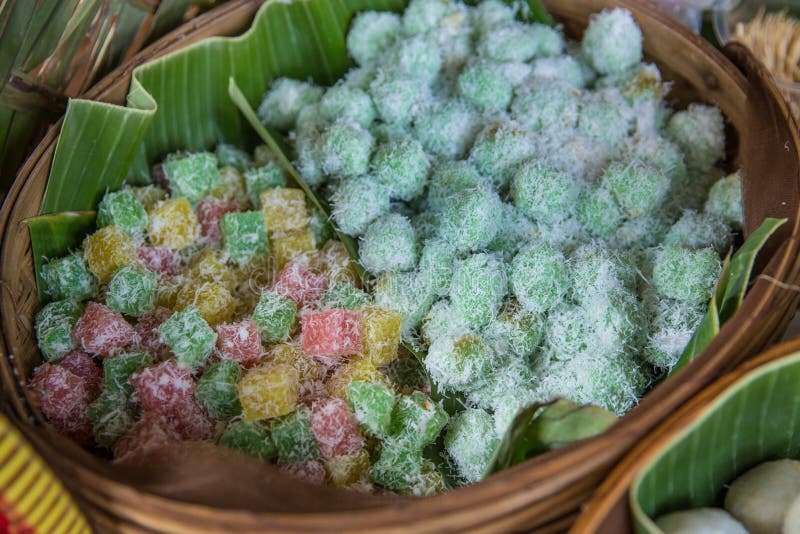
x=615, y=489
x=517, y=490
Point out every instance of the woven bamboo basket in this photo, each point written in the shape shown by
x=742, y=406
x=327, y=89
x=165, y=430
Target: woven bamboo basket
x=544, y=493
x=607, y=512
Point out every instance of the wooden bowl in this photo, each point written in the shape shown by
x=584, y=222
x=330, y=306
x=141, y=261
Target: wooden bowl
x=607, y=512
x=543, y=493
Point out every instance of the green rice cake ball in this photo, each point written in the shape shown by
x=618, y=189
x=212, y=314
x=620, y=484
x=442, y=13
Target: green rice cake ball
x=644, y=231
x=538, y=277
x=599, y=213
x=553, y=105
x=293, y=437
x=470, y=441
x=616, y=322
x=233, y=156
x=132, y=291
x=341, y=102
x=509, y=406
x=259, y=179
x=725, y=200
x=613, y=42
x=491, y=13
x=389, y=244
x=417, y=420
x=123, y=210
x=398, y=466
x=699, y=230
x=511, y=377
x=485, y=87
x=499, y=150
x=477, y=289
x=372, y=404
x=672, y=325
x=455, y=38
x=344, y=295
x=686, y=275
x=436, y=265
x=563, y=68
x=605, y=117
x=449, y=178
x=345, y=149
x=217, y=389
x=515, y=231
x=596, y=272
x=418, y=57
x=639, y=188
x=516, y=41
x=460, y=362
x=403, y=167
x=398, y=97
x=658, y=152
x=192, y=176
x=543, y=193
x=68, y=278
x=447, y=129
x=442, y=320
x=118, y=370
x=422, y=16
x=699, y=131
x=284, y=100
x=578, y=156
x=470, y=220
x=515, y=72
x=371, y=33
x=111, y=415
x=357, y=202
x=515, y=330
x=308, y=145
x=249, y=438
x=406, y=293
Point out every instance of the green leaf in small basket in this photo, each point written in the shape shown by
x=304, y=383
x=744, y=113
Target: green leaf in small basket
x=741, y=266
x=54, y=234
x=729, y=293
x=543, y=427
x=752, y=421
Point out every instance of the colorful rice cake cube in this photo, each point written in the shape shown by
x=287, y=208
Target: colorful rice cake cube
x=209, y=214
x=231, y=186
x=217, y=389
x=132, y=291
x=268, y=391
x=233, y=156
x=284, y=210
x=64, y=399
x=380, y=333
x=111, y=416
x=54, y=325
x=81, y=364
x=102, y=331
x=250, y=438
x=244, y=235
x=192, y=176
x=296, y=283
x=209, y=266
x=189, y=337
x=212, y=300
x=147, y=337
x=151, y=432
x=107, y=250
x=119, y=369
x=417, y=420
x=372, y=404
x=344, y=295
x=331, y=335
x=160, y=260
x=173, y=224
x=294, y=438
x=357, y=369
x=335, y=427
x=335, y=263
x=240, y=342
x=311, y=472
x=68, y=278
x=398, y=466
x=292, y=245
x=275, y=317
x=123, y=210
x=259, y=179
x=348, y=469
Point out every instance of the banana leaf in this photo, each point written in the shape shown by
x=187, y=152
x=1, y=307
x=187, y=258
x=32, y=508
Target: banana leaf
x=753, y=421
x=540, y=428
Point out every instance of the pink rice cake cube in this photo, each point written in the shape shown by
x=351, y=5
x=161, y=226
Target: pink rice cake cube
x=168, y=390
x=81, y=364
x=159, y=260
x=150, y=433
x=331, y=334
x=102, y=331
x=147, y=335
x=335, y=427
x=311, y=472
x=209, y=212
x=295, y=282
x=240, y=342
x=64, y=400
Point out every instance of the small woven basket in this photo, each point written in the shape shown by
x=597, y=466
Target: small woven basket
x=542, y=494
